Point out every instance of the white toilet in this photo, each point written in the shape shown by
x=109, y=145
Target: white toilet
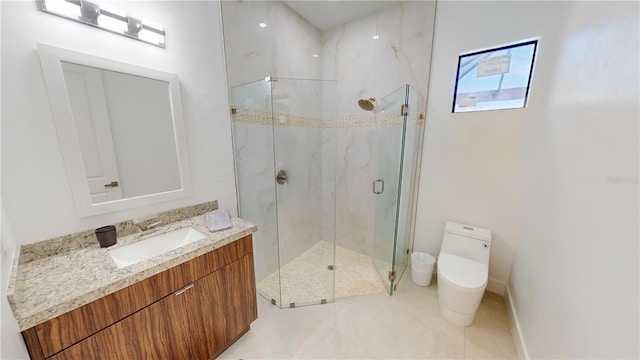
x=463, y=271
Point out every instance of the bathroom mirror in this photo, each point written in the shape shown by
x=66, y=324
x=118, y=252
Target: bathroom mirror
x=120, y=129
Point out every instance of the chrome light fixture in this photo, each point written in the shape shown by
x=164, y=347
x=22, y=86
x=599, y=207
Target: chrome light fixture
x=107, y=18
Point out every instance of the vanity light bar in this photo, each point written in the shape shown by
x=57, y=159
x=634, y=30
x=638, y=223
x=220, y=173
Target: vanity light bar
x=106, y=17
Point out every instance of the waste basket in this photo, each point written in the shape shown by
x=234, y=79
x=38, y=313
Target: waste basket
x=422, y=268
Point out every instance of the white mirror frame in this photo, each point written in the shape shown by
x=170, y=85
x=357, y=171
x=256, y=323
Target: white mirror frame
x=51, y=59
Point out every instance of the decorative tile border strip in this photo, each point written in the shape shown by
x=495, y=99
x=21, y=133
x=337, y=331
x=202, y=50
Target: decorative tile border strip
x=263, y=117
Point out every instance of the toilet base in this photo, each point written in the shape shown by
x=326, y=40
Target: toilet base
x=456, y=318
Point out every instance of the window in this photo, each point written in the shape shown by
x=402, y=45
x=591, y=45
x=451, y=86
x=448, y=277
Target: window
x=494, y=79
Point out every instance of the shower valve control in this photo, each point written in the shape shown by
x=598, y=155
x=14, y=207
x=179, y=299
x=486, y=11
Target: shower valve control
x=282, y=177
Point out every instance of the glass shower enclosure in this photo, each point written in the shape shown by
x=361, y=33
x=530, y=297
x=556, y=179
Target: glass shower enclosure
x=399, y=136
x=284, y=141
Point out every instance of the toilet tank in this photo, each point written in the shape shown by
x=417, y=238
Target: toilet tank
x=467, y=241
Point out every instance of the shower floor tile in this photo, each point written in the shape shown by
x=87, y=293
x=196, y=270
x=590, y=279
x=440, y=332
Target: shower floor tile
x=307, y=279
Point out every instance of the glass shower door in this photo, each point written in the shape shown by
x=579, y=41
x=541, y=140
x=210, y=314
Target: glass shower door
x=399, y=134
x=253, y=145
x=304, y=155
x=285, y=149
x=386, y=187
x=412, y=138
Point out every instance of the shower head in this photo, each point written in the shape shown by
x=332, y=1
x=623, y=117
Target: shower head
x=367, y=104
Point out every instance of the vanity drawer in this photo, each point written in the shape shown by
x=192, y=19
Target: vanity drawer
x=69, y=328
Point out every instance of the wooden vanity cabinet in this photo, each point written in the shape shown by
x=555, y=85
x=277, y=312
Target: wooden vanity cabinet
x=198, y=319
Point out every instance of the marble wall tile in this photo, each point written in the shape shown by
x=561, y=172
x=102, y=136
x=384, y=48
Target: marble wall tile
x=403, y=51
x=367, y=67
x=329, y=147
x=284, y=48
x=253, y=97
x=249, y=50
x=354, y=198
x=299, y=152
x=349, y=56
x=294, y=145
x=296, y=41
x=256, y=191
x=299, y=97
x=387, y=155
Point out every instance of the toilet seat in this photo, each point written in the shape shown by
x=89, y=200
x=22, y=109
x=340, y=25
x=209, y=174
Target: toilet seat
x=464, y=274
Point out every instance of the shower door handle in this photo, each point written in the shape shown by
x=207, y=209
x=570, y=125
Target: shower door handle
x=375, y=191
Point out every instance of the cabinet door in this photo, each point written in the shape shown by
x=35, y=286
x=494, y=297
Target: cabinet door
x=228, y=303
x=159, y=331
x=239, y=298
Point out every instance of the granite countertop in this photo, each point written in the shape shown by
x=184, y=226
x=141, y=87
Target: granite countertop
x=42, y=289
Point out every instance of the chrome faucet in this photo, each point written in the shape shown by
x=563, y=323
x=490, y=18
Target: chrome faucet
x=148, y=227
x=153, y=225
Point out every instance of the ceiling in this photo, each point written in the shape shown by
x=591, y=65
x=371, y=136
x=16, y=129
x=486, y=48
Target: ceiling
x=327, y=14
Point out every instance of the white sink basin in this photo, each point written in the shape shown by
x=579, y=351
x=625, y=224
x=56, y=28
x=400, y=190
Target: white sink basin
x=154, y=246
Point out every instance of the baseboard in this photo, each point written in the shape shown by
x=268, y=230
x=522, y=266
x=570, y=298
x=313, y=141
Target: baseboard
x=496, y=286
x=516, y=331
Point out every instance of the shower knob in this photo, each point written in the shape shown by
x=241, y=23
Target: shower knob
x=281, y=177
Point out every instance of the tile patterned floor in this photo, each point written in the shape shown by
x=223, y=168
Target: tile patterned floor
x=407, y=325
x=307, y=279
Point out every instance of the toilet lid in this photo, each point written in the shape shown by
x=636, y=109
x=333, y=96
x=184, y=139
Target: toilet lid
x=462, y=272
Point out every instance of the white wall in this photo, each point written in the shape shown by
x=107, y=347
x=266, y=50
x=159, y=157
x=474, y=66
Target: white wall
x=557, y=181
x=575, y=280
x=11, y=343
x=35, y=186
x=470, y=163
x=35, y=192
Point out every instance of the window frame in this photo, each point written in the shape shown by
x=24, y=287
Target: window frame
x=534, y=42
